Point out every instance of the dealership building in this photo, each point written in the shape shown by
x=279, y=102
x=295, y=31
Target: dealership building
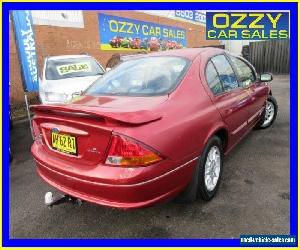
x=91, y=32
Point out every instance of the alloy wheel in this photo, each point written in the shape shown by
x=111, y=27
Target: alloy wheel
x=269, y=115
x=212, y=168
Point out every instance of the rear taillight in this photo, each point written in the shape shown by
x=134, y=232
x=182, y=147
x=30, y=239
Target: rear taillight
x=36, y=131
x=127, y=152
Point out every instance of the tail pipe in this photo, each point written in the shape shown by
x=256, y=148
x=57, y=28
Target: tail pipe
x=52, y=200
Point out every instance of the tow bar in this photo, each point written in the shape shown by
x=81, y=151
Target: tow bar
x=51, y=200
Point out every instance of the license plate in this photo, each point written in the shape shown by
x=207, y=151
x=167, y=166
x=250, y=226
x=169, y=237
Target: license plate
x=64, y=143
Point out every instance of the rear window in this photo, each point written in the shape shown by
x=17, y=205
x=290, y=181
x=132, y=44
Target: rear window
x=144, y=76
x=72, y=67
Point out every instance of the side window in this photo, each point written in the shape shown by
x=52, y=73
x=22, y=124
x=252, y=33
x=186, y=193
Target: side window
x=213, y=79
x=226, y=73
x=244, y=71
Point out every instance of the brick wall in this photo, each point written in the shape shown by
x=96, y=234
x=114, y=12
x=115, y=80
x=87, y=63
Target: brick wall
x=51, y=40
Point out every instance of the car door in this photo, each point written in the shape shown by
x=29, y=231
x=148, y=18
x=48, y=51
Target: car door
x=229, y=98
x=249, y=82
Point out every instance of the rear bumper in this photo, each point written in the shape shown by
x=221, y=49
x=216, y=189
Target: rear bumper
x=125, y=196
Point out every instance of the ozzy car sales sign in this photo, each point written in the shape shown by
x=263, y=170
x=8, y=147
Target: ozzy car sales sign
x=118, y=33
x=247, y=25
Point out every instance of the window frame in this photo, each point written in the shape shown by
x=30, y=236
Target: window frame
x=233, y=69
x=228, y=55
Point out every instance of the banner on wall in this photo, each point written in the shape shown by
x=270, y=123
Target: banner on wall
x=118, y=33
x=25, y=42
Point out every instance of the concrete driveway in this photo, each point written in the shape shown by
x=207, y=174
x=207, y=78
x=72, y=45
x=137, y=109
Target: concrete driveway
x=253, y=197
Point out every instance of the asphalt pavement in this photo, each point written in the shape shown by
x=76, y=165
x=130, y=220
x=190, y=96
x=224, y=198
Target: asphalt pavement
x=253, y=197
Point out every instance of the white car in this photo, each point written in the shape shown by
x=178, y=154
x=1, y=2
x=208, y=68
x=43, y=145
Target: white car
x=65, y=77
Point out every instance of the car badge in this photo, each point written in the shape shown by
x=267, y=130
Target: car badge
x=55, y=130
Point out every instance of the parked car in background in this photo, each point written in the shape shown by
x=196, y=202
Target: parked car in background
x=153, y=128
x=66, y=76
x=135, y=43
x=154, y=44
x=178, y=46
x=144, y=44
x=163, y=44
x=125, y=42
x=116, y=41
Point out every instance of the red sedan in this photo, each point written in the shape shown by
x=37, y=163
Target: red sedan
x=153, y=128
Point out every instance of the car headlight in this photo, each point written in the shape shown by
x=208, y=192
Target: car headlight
x=56, y=97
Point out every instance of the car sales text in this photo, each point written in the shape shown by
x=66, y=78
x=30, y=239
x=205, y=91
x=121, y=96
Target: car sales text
x=248, y=26
x=146, y=30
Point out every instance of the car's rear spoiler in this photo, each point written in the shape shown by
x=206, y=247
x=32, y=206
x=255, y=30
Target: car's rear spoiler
x=134, y=117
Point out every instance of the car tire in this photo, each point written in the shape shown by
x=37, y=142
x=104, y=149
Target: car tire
x=197, y=187
x=267, y=120
x=213, y=147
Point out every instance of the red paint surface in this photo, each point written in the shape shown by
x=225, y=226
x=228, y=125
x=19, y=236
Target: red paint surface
x=177, y=126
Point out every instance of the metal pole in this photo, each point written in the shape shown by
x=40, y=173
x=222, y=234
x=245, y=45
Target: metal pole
x=28, y=113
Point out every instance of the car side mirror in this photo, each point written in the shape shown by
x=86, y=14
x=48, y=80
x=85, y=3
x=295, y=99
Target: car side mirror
x=266, y=77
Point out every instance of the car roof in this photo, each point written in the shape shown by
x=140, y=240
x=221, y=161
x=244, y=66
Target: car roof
x=66, y=57
x=189, y=53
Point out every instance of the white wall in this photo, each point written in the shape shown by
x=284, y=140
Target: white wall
x=235, y=46
x=61, y=18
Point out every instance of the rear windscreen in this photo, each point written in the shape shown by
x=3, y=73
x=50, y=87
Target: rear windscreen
x=145, y=76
